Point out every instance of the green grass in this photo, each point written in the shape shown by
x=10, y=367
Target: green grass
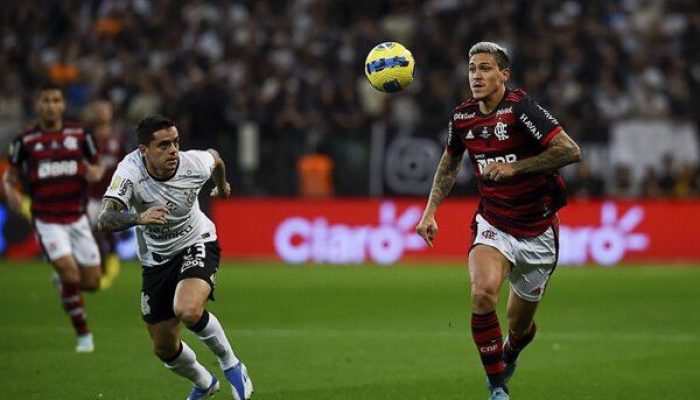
x=369, y=333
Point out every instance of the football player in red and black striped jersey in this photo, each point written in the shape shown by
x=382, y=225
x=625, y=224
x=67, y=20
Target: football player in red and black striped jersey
x=58, y=159
x=515, y=148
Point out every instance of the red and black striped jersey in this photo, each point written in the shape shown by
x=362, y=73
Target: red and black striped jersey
x=54, y=164
x=111, y=149
x=518, y=128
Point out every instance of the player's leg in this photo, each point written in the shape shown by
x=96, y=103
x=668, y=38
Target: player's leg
x=180, y=358
x=56, y=244
x=196, y=286
x=488, y=268
x=86, y=253
x=535, y=262
x=521, y=330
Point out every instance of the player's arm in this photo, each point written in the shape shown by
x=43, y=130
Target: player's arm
x=114, y=217
x=9, y=181
x=442, y=185
x=561, y=151
x=218, y=175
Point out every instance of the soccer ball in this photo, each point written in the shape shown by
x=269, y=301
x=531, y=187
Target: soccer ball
x=389, y=67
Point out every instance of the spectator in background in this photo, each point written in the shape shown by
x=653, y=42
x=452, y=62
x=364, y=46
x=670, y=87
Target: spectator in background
x=586, y=183
x=622, y=185
x=650, y=186
x=667, y=181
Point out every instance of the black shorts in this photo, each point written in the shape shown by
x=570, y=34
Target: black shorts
x=200, y=260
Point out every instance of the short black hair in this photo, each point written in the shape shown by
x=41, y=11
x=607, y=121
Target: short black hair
x=150, y=125
x=48, y=85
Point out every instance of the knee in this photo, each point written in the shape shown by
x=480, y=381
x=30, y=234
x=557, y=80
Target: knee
x=189, y=314
x=165, y=350
x=90, y=285
x=484, y=299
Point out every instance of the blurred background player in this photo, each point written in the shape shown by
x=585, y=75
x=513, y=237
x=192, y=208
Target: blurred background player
x=111, y=147
x=155, y=188
x=516, y=148
x=58, y=158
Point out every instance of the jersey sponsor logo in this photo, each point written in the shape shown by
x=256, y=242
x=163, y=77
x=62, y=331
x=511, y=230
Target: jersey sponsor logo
x=70, y=143
x=459, y=116
x=500, y=131
x=482, y=161
x=503, y=111
x=164, y=233
x=55, y=145
x=531, y=126
x=547, y=115
x=51, y=169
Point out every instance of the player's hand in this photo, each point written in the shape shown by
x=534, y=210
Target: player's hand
x=427, y=228
x=154, y=215
x=499, y=172
x=222, y=194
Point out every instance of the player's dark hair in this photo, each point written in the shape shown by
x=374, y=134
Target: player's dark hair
x=498, y=52
x=150, y=125
x=49, y=86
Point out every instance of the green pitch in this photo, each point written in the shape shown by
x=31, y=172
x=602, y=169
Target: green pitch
x=366, y=333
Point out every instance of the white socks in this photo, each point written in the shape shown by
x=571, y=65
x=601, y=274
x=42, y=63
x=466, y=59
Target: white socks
x=214, y=337
x=186, y=365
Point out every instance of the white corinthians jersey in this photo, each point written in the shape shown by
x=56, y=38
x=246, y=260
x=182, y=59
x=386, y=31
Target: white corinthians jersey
x=186, y=224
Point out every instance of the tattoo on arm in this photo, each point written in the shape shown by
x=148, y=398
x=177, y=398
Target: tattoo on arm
x=444, y=179
x=113, y=218
x=561, y=151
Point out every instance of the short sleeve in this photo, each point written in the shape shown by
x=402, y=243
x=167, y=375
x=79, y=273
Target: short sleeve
x=537, y=121
x=17, y=153
x=454, y=145
x=205, y=162
x=90, y=147
x=121, y=187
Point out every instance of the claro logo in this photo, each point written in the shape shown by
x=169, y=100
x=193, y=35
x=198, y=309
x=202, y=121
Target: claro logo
x=606, y=244
x=299, y=239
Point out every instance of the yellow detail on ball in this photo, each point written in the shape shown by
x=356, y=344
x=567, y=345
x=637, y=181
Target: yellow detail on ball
x=389, y=67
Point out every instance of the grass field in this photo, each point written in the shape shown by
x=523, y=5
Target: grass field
x=335, y=333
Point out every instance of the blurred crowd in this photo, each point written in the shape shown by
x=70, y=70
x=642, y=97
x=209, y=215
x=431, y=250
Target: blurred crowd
x=295, y=69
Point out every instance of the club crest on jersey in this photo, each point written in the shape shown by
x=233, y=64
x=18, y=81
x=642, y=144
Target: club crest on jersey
x=500, y=131
x=70, y=143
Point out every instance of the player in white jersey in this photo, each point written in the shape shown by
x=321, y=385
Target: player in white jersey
x=155, y=188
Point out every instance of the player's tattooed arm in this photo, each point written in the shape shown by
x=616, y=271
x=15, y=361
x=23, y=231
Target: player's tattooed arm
x=112, y=216
x=561, y=151
x=218, y=175
x=444, y=179
x=442, y=185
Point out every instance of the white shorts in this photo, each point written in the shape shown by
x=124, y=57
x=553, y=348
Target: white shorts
x=59, y=240
x=533, y=259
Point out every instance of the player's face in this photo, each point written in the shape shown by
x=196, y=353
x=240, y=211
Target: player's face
x=485, y=78
x=50, y=105
x=162, y=152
